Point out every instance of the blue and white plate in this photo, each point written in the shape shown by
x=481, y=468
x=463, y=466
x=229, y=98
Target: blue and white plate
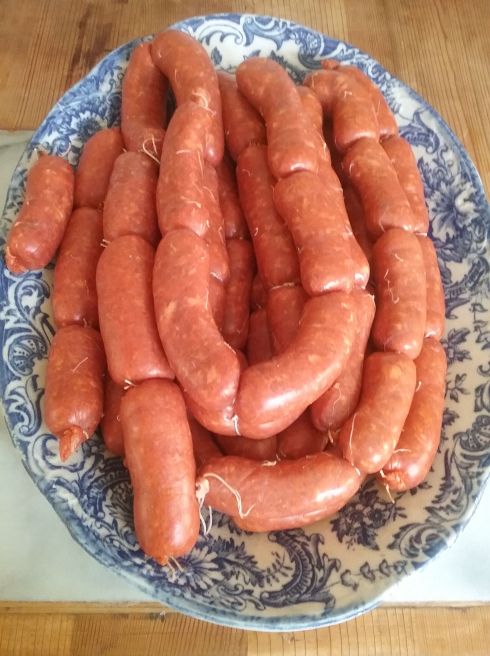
x=336, y=568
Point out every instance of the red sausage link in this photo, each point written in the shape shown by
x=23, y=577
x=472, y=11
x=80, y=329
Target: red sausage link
x=205, y=365
x=403, y=160
x=349, y=104
x=246, y=448
x=369, y=437
x=111, y=421
x=74, y=397
x=180, y=196
x=129, y=207
x=436, y=312
x=284, y=309
x=288, y=383
x=288, y=494
x=356, y=219
x=258, y=295
x=337, y=404
x=237, y=303
x=242, y=123
x=259, y=347
x=314, y=113
x=217, y=300
x=305, y=203
x=39, y=227
x=74, y=290
x=384, y=202
x=160, y=460
x=143, y=106
x=126, y=314
x=203, y=445
x=291, y=140
x=191, y=74
x=276, y=256
x=386, y=120
x=399, y=276
x=301, y=439
x=418, y=443
x=215, y=236
x=235, y=224
x=95, y=167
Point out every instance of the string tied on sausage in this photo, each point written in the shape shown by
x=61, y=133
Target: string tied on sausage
x=203, y=489
x=151, y=155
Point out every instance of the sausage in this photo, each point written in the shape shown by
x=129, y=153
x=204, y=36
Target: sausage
x=74, y=290
x=74, y=396
x=399, y=277
x=308, y=208
x=143, y=106
x=369, y=437
x=215, y=235
x=435, y=318
x=246, y=448
x=291, y=140
x=383, y=200
x=203, y=444
x=314, y=114
x=288, y=494
x=191, y=74
x=237, y=302
x=160, y=459
x=217, y=300
x=259, y=347
x=301, y=439
x=386, y=120
x=39, y=227
x=110, y=425
x=349, y=105
x=286, y=385
x=356, y=219
x=336, y=405
x=126, y=314
x=205, y=365
x=404, y=162
x=284, y=309
x=129, y=207
x=276, y=256
x=258, y=295
x=180, y=196
x=242, y=123
x=95, y=167
x=233, y=219
x=418, y=443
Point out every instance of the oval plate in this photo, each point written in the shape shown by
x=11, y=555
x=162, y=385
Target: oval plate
x=337, y=568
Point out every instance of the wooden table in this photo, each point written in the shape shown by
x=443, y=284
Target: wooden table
x=442, y=49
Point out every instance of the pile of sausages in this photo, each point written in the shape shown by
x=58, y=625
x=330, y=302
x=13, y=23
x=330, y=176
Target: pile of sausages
x=269, y=312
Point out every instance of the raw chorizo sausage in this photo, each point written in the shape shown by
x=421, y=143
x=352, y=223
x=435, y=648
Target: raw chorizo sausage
x=233, y=219
x=258, y=295
x=369, y=437
x=95, y=167
x=203, y=444
x=243, y=125
x=129, y=207
x=259, y=347
x=237, y=301
x=191, y=74
x=215, y=235
x=418, y=443
x=126, y=314
x=284, y=309
x=399, y=277
x=74, y=290
x=301, y=439
x=434, y=325
x=291, y=140
x=205, y=365
x=276, y=256
x=40, y=225
x=160, y=459
x=110, y=425
x=288, y=383
x=143, y=106
x=74, y=397
x=356, y=219
x=288, y=494
x=314, y=114
x=217, y=300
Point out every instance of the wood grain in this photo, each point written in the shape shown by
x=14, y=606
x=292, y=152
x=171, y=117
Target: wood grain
x=83, y=629
x=441, y=48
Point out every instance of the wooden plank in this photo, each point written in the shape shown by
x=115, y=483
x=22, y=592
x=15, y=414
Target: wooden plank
x=441, y=48
x=30, y=629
